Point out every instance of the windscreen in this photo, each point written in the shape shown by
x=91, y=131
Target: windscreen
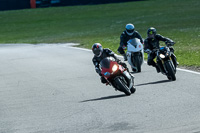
x=105, y=63
x=163, y=50
x=134, y=41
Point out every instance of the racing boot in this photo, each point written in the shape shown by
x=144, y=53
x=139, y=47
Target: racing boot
x=157, y=68
x=125, y=57
x=134, y=69
x=103, y=80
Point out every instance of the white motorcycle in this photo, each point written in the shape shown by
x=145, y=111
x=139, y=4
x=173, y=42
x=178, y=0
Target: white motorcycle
x=135, y=54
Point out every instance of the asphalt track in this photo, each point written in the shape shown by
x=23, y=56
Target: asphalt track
x=53, y=88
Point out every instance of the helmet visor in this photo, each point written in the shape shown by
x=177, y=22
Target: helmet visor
x=130, y=31
x=151, y=35
x=98, y=51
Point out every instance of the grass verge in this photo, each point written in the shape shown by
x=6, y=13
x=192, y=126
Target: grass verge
x=176, y=19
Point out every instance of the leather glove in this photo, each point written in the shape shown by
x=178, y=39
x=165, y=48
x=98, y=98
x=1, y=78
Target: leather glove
x=148, y=51
x=123, y=64
x=124, y=47
x=117, y=60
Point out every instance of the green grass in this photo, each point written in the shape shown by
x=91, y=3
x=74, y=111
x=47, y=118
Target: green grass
x=176, y=19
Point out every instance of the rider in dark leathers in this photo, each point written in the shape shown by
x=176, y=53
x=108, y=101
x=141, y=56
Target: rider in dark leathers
x=151, y=43
x=99, y=54
x=126, y=35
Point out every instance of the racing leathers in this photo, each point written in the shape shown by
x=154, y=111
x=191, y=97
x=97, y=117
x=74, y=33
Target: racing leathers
x=153, y=43
x=106, y=53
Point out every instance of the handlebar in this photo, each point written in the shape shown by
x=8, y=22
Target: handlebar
x=151, y=51
x=155, y=50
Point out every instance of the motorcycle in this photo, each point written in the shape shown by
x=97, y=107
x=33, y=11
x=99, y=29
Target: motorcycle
x=166, y=61
x=117, y=76
x=135, y=54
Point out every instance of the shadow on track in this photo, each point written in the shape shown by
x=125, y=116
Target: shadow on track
x=156, y=82
x=104, y=98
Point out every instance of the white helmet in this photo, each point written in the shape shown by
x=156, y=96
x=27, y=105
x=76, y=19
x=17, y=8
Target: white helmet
x=130, y=29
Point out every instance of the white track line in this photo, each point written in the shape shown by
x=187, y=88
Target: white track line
x=190, y=71
x=180, y=69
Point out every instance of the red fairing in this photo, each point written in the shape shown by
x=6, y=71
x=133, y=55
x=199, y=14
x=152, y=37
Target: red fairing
x=110, y=68
x=107, y=72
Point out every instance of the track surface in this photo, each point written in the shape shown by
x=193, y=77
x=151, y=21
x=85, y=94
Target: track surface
x=54, y=89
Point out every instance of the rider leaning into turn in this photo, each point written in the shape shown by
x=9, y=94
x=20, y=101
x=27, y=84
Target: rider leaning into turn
x=126, y=35
x=151, y=43
x=101, y=53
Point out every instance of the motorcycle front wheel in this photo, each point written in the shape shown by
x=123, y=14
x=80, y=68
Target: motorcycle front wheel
x=138, y=63
x=132, y=90
x=171, y=72
x=122, y=86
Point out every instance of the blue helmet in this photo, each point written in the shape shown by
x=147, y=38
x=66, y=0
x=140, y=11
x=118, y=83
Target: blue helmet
x=130, y=29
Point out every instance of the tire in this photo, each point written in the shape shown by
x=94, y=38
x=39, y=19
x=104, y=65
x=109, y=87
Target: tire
x=132, y=90
x=169, y=77
x=122, y=86
x=137, y=63
x=171, y=72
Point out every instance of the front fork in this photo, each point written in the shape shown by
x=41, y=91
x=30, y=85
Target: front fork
x=162, y=65
x=129, y=58
x=129, y=77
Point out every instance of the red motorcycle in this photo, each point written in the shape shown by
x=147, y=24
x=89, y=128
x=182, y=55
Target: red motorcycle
x=117, y=76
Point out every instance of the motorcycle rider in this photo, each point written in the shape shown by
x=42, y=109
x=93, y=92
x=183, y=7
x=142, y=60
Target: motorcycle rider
x=101, y=53
x=126, y=35
x=151, y=43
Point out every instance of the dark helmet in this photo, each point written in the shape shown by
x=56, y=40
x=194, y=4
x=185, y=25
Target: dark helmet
x=130, y=29
x=151, y=32
x=97, y=49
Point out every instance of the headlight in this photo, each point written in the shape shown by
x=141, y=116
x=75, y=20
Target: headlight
x=114, y=68
x=162, y=56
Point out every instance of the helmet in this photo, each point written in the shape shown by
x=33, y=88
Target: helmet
x=130, y=29
x=97, y=49
x=151, y=32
